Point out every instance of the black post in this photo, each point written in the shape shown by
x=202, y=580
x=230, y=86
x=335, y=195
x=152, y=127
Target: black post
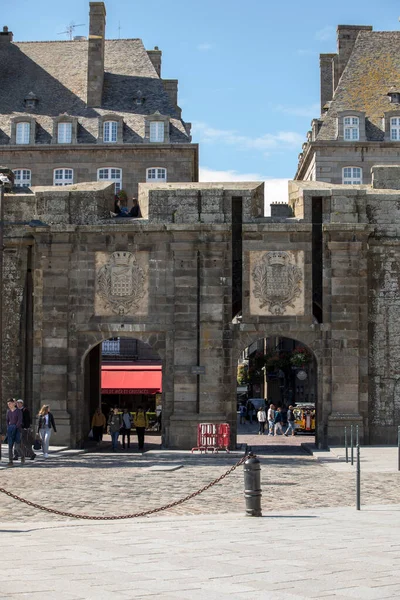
x=352, y=445
x=398, y=447
x=358, y=479
x=252, y=486
x=346, y=444
x=1, y=303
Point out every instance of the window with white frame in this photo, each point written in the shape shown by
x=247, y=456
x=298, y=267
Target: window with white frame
x=157, y=131
x=22, y=132
x=64, y=133
x=156, y=174
x=23, y=177
x=395, y=128
x=111, y=174
x=110, y=130
x=352, y=175
x=351, y=128
x=63, y=176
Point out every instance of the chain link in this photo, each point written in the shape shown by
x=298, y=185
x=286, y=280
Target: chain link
x=144, y=513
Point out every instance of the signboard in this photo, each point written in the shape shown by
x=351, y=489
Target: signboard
x=302, y=375
x=128, y=391
x=198, y=370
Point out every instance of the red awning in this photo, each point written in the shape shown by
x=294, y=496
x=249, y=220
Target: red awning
x=123, y=379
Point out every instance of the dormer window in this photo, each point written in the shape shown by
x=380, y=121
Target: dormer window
x=139, y=98
x=64, y=133
x=156, y=131
x=351, y=129
x=110, y=131
x=31, y=101
x=157, y=128
x=351, y=126
x=65, y=129
x=394, y=97
x=111, y=128
x=22, y=132
x=395, y=128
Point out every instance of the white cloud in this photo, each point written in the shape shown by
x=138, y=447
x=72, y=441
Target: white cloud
x=300, y=111
x=326, y=33
x=276, y=190
x=268, y=141
x=205, y=47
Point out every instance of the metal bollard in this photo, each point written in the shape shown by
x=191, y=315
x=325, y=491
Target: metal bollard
x=358, y=479
x=352, y=445
x=398, y=447
x=252, y=486
x=346, y=444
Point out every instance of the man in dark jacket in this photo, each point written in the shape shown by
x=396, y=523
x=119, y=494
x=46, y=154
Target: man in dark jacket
x=26, y=434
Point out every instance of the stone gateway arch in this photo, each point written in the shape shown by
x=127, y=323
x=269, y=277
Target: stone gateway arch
x=199, y=277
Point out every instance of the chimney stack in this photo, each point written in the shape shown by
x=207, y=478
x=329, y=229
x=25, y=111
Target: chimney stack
x=346, y=38
x=95, y=73
x=326, y=74
x=5, y=35
x=155, y=57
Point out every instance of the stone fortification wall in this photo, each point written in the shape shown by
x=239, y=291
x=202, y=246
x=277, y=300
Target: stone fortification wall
x=201, y=274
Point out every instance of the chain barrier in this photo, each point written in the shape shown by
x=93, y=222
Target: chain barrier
x=144, y=513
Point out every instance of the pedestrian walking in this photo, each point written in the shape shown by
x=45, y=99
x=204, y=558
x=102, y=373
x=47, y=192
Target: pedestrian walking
x=242, y=414
x=126, y=428
x=271, y=419
x=114, y=424
x=99, y=424
x=45, y=424
x=291, y=419
x=26, y=434
x=278, y=421
x=141, y=423
x=250, y=411
x=13, y=424
x=261, y=418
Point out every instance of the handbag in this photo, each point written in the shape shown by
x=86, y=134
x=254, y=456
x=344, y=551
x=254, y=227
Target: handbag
x=90, y=433
x=37, y=444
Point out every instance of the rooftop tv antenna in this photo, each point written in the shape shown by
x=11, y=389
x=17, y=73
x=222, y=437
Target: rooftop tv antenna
x=70, y=29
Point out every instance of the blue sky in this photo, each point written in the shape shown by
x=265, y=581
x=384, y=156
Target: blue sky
x=248, y=71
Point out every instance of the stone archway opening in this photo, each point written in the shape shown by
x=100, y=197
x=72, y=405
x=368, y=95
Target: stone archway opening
x=281, y=372
x=125, y=373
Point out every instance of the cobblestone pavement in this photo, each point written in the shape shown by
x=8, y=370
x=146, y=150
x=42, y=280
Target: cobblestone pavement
x=103, y=483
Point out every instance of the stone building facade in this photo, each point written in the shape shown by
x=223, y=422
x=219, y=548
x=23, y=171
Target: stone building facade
x=200, y=277
x=359, y=124
x=88, y=110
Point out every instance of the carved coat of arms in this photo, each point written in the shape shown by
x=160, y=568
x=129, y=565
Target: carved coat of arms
x=277, y=282
x=120, y=283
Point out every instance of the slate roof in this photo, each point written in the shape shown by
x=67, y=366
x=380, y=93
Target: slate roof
x=372, y=71
x=57, y=73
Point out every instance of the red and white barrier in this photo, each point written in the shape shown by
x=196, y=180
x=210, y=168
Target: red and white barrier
x=213, y=437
